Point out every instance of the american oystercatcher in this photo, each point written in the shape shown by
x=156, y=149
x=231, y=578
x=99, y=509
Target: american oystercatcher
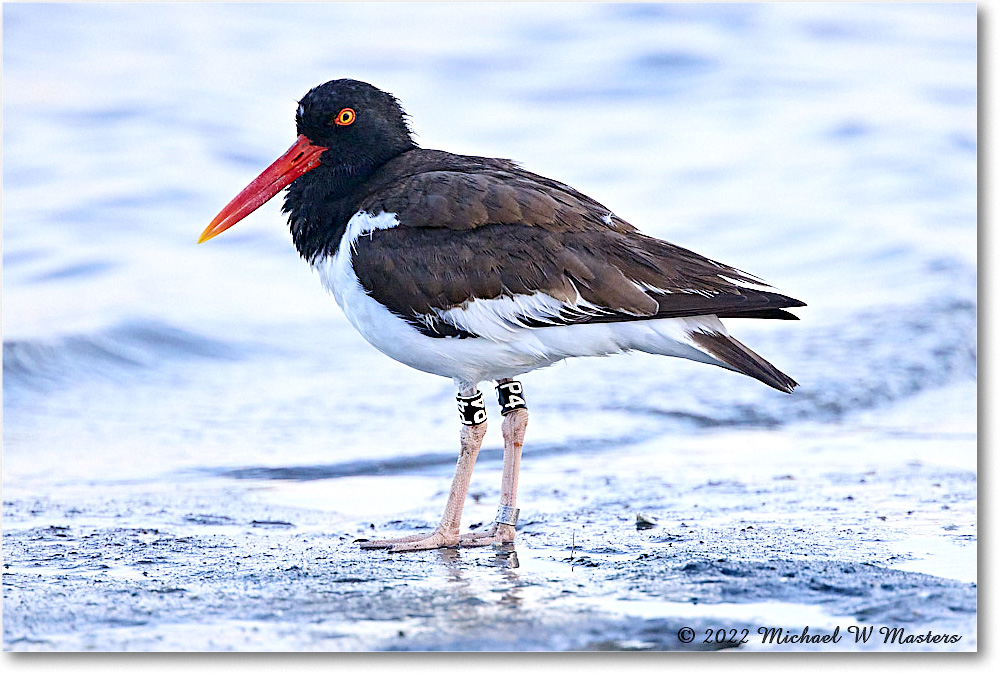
x=475, y=269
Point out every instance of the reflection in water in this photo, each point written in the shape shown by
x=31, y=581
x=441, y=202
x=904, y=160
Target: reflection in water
x=450, y=559
x=506, y=556
x=470, y=586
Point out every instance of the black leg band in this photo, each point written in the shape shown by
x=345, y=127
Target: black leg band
x=471, y=409
x=510, y=395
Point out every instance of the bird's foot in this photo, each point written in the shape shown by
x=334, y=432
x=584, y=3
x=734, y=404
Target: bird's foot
x=498, y=534
x=414, y=542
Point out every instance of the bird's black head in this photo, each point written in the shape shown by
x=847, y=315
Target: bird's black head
x=347, y=130
x=361, y=126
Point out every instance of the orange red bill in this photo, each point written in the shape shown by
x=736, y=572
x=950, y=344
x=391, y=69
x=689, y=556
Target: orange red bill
x=301, y=158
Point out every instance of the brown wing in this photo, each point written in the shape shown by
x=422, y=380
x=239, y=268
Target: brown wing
x=430, y=188
x=472, y=228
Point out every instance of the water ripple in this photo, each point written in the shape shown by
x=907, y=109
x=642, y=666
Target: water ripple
x=41, y=364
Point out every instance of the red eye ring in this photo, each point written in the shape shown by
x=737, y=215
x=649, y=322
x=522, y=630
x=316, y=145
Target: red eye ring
x=345, y=117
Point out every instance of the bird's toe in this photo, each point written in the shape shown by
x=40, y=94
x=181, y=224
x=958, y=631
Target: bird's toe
x=413, y=542
x=498, y=534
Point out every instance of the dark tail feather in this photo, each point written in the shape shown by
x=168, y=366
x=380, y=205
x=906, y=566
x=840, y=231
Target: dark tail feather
x=740, y=358
x=759, y=314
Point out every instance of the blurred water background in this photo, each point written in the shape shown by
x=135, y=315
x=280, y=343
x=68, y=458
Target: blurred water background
x=829, y=149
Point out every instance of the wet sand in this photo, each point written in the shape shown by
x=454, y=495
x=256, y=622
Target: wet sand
x=247, y=562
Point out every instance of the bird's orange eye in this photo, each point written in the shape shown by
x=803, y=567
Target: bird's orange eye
x=344, y=118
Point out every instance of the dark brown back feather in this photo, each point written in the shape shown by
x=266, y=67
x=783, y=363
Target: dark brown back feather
x=522, y=233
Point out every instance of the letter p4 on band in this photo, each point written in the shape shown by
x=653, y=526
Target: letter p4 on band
x=510, y=396
x=471, y=409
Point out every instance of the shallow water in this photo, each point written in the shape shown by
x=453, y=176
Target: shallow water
x=828, y=149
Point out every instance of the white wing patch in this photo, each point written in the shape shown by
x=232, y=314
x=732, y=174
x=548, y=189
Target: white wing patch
x=753, y=286
x=649, y=288
x=336, y=272
x=501, y=319
x=362, y=223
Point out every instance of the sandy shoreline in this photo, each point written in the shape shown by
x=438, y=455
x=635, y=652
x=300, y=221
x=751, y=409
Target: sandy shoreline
x=223, y=564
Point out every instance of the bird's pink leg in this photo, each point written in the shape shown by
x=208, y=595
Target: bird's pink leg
x=447, y=532
x=515, y=424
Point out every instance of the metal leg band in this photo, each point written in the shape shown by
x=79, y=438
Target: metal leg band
x=510, y=395
x=471, y=409
x=507, y=515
